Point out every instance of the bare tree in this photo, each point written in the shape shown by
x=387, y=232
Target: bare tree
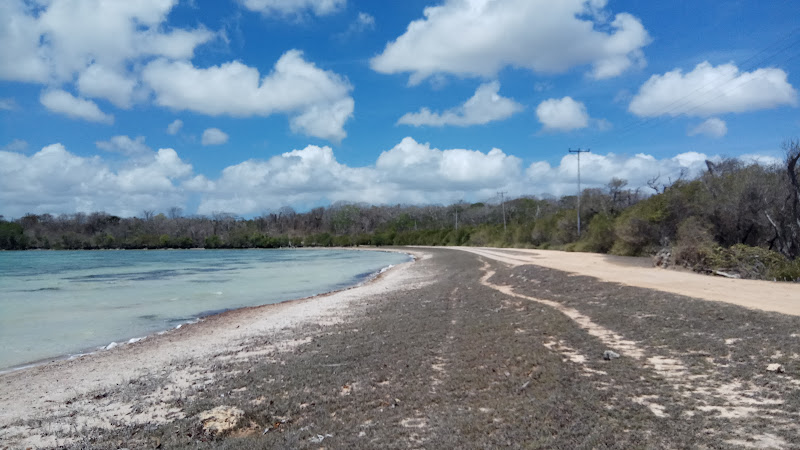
x=175, y=212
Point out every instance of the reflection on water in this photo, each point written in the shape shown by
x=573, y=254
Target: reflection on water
x=58, y=303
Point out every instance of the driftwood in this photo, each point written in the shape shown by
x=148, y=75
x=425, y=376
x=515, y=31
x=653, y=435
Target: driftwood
x=726, y=274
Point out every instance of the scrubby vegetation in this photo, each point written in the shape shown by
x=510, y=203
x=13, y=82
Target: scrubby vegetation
x=736, y=218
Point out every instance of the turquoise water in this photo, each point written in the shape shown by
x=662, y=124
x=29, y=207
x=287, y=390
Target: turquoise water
x=59, y=303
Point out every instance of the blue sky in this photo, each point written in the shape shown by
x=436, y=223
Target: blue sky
x=244, y=106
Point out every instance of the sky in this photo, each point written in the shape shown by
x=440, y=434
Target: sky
x=247, y=106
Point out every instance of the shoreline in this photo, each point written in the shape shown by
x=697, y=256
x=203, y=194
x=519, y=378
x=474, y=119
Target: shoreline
x=30, y=391
x=203, y=315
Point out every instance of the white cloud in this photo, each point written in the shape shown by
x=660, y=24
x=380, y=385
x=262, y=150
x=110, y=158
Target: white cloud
x=63, y=102
x=563, y=114
x=21, y=58
x=294, y=7
x=415, y=164
x=481, y=37
x=125, y=146
x=174, y=127
x=54, y=180
x=712, y=127
x=317, y=101
x=101, y=44
x=485, y=106
x=597, y=170
x=299, y=177
x=761, y=159
x=409, y=173
x=111, y=34
x=324, y=120
x=709, y=90
x=100, y=82
x=214, y=136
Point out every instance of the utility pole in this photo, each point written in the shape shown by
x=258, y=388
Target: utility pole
x=503, y=202
x=578, y=152
x=456, y=217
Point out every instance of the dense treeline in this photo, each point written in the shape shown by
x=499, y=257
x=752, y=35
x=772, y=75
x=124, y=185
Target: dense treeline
x=735, y=217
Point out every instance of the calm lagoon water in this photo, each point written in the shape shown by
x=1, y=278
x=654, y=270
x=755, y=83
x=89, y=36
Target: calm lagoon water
x=58, y=303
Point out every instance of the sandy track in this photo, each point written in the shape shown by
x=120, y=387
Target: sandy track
x=762, y=295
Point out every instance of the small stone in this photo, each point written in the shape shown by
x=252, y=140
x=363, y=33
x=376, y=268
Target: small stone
x=608, y=355
x=775, y=367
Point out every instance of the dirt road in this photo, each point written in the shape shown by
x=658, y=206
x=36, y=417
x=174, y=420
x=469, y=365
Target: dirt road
x=763, y=295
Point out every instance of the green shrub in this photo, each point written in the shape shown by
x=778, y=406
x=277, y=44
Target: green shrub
x=12, y=236
x=754, y=263
x=599, y=236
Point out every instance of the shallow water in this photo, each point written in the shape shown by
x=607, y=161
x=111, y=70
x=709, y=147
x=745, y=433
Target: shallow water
x=57, y=303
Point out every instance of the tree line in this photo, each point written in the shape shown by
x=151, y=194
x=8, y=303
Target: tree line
x=735, y=217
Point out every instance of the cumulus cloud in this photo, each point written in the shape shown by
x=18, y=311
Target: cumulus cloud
x=709, y=90
x=62, y=102
x=100, y=82
x=485, y=106
x=214, y=136
x=298, y=177
x=413, y=163
x=410, y=172
x=317, y=101
x=713, y=127
x=481, y=37
x=597, y=170
x=99, y=43
x=125, y=145
x=21, y=58
x=294, y=7
x=124, y=52
x=174, y=127
x=53, y=180
x=564, y=114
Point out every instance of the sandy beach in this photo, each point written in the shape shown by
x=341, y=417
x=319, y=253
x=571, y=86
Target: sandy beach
x=463, y=348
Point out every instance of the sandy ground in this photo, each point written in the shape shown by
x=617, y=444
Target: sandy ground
x=763, y=295
x=44, y=390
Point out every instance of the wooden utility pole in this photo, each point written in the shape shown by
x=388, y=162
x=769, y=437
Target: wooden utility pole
x=578, y=152
x=503, y=202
